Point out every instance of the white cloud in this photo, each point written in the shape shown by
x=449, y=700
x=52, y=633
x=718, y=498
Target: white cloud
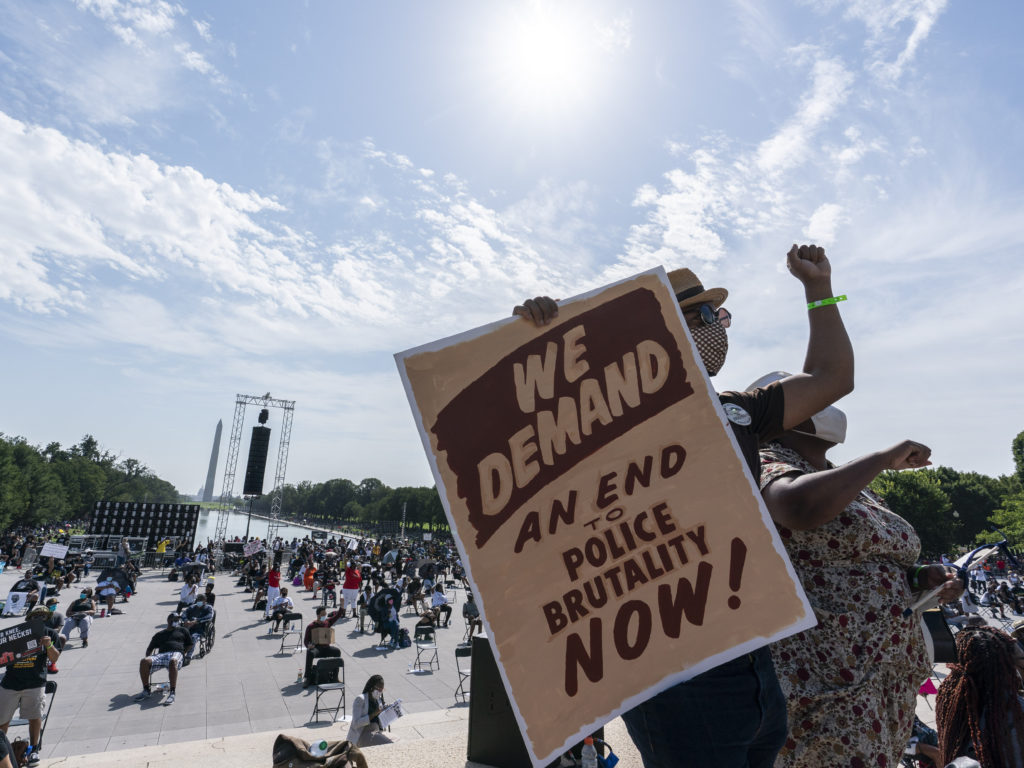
x=615, y=36
x=789, y=147
x=821, y=228
x=890, y=47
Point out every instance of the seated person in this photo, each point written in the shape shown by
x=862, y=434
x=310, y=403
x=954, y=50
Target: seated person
x=80, y=614
x=365, y=730
x=388, y=624
x=171, y=645
x=106, y=590
x=54, y=622
x=210, y=597
x=414, y=590
x=439, y=603
x=472, y=615
x=282, y=608
x=1007, y=597
x=363, y=603
x=188, y=593
x=427, y=619
x=318, y=651
x=990, y=599
x=196, y=619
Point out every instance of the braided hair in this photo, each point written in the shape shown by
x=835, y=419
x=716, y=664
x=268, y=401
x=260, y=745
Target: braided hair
x=982, y=687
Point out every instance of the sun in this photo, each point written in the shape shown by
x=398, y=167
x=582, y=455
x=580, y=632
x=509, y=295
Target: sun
x=545, y=57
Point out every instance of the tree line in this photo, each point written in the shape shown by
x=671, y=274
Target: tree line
x=365, y=504
x=53, y=484
x=948, y=508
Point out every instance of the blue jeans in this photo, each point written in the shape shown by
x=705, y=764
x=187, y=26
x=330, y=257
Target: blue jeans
x=733, y=716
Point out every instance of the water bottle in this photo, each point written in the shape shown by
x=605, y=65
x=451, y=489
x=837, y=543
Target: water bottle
x=298, y=678
x=319, y=749
x=589, y=753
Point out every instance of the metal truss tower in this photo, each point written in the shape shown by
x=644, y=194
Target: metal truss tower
x=231, y=464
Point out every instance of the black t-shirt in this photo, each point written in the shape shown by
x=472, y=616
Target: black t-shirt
x=30, y=670
x=81, y=605
x=763, y=410
x=172, y=639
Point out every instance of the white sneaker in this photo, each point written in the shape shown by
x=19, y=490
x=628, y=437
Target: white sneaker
x=170, y=699
x=144, y=695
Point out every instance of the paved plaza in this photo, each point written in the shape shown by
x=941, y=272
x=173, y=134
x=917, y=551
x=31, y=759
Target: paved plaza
x=245, y=685
x=232, y=703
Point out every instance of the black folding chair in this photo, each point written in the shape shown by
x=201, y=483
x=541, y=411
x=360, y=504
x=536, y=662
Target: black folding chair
x=326, y=673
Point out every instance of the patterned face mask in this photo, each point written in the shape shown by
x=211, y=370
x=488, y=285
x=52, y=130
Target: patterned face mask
x=712, y=343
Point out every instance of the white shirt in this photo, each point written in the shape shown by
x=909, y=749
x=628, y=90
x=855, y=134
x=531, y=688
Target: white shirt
x=283, y=602
x=437, y=598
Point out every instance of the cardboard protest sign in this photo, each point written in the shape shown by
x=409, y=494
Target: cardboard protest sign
x=19, y=640
x=609, y=525
x=252, y=547
x=15, y=603
x=51, y=549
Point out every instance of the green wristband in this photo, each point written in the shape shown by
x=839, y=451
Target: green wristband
x=826, y=302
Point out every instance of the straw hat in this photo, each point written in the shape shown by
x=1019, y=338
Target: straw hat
x=691, y=293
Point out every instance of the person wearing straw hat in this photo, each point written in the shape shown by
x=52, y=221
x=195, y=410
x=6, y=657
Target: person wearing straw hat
x=736, y=713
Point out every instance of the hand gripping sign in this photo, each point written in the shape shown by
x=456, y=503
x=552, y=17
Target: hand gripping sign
x=611, y=530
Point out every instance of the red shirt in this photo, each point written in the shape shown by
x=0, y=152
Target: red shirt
x=352, y=579
x=274, y=578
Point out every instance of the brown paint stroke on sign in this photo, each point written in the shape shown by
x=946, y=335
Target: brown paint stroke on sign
x=486, y=425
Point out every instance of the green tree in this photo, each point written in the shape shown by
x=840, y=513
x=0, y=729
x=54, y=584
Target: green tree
x=1018, y=456
x=918, y=498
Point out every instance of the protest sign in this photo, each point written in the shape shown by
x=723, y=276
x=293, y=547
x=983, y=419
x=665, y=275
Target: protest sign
x=19, y=640
x=15, y=603
x=51, y=549
x=252, y=547
x=428, y=537
x=608, y=523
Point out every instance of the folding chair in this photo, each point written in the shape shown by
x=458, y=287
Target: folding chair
x=49, y=692
x=293, y=620
x=426, y=648
x=326, y=673
x=463, y=652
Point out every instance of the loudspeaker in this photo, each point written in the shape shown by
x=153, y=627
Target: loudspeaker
x=256, y=467
x=494, y=737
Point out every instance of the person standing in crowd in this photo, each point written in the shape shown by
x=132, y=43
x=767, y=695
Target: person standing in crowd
x=978, y=709
x=273, y=587
x=365, y=730
x=856, y=560
x=24, y=684
x=350, y=588
x=739, y=704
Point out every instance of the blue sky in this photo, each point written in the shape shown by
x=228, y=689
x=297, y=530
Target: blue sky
x=202, y=199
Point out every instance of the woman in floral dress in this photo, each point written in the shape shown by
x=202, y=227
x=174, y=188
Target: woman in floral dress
x=850, y=682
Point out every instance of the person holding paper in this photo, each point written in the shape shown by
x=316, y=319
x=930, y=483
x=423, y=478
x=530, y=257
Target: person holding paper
x=314, y=650
x=850, y=682
x=365, y=730
x=736, y=713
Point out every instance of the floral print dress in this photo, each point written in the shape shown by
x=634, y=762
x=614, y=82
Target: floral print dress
x=851, y=682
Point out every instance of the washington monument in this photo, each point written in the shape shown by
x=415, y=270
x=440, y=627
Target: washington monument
x=211, y=475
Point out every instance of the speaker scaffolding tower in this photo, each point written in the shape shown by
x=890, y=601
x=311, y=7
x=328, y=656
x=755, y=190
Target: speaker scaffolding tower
x=231, y=466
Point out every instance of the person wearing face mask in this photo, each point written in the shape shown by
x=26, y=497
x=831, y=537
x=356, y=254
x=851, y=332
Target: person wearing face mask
x=737, y=710
x=857, y=561
x=365, y=729
x=80, y=614
x=196, y=619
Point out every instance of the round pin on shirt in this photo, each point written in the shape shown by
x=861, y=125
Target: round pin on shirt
x=736, y=414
